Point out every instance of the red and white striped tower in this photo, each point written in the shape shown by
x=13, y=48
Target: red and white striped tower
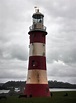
x=37, y=84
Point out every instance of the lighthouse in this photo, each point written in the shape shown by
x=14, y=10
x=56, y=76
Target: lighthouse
x=37, y=83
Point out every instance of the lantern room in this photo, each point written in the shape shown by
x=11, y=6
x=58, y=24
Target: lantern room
x=38, y=21
x=37, y=17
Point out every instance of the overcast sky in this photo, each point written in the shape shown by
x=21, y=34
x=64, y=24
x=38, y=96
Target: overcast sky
x=60, y=20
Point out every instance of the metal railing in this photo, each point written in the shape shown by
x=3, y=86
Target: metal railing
x=34, y=27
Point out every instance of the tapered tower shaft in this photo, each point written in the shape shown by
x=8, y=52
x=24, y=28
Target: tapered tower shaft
x=37, y=84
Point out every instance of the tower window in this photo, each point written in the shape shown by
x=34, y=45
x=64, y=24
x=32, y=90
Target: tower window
x=34, y=63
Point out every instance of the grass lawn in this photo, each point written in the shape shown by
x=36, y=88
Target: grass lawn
x=58, y=97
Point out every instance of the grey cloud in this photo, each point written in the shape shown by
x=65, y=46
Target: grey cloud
x=13, y=39
x=13, y=51
x=62, y=42
x=60, y=19
x=64, y=54
x=13, y=69
x=19, y=52
x=61, y=8
x=61, y=72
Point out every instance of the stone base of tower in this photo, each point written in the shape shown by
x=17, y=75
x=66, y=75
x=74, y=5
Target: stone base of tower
x=37, y=90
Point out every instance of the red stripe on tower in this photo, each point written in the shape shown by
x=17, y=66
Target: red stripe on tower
x=37, y=84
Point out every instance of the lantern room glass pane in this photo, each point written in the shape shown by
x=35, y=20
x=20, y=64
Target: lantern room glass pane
x=38, y=20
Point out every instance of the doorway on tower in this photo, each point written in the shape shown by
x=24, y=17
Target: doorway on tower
x=27, y=96
x=30, y=95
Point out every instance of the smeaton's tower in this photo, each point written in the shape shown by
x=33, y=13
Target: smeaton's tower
x=37, y=84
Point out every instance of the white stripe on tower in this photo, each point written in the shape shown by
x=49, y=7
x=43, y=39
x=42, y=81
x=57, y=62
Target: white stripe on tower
x=37, y=77
x=37, y=49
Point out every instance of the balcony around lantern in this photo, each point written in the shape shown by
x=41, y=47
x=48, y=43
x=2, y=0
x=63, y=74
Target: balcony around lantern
x=37, y=26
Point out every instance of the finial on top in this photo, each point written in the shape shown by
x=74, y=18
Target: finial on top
x=36, y=9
